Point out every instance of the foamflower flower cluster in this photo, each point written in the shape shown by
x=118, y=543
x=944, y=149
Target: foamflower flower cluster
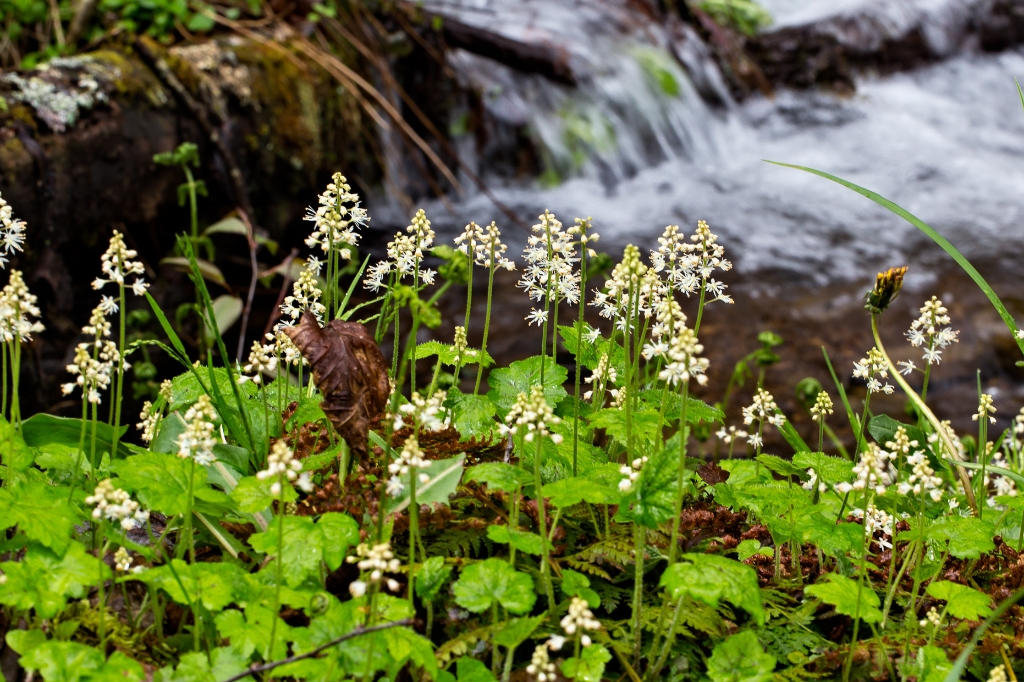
x=405, y=253
x=871, y=369
x=305, y=295
x=677, y=345
x=117, y=263
x=541, y=667
x=197, y=440
x=336, y=219
x=603, y=375
x=531, y=416
x=985, y=409
x=378, y=560
x=94, y=362
x=632, y=288
x=123, y=562
x=261, y=360
x=149, y=423
x=873, y=472
x=822, y=407
x=409, y=461
x=687, y=264
x=549, y=276
x=19, y=314
x=12, y=232
x=928, y=331
x=426, y=413
x=580, y=620
x=631, y=472
x=114, y=504
x=487, y=248
x=282, y=465
x=763, y=409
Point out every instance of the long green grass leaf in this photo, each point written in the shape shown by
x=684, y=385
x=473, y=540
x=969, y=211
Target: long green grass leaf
x=351, y=288
x=933, y=234
x=960, y=665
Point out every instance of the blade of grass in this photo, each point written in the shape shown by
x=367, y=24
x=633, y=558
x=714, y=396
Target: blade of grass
x=352, y=287
x=934, y=235
x=182, y=354
x=197, y=279
x=850, y=414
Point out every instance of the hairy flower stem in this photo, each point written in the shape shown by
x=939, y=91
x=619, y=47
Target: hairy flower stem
x=81, y=451
x=861, y=574
x=279, y=578
x=16, y=381
x=579, y=365
x=190, y=544
x=894, y=583
x=670, y=639
x=4, y=351
x=982, y=450
x=929, y=415
x=487, y=326
x=640, y=544
x=673, y=548
x=542, y=522
x=414, y=532
x=119, y=391
x=101, y=603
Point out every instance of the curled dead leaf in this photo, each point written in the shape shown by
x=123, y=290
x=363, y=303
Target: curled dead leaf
x=349, y=370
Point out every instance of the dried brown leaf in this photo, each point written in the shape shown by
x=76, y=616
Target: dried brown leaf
x=351, y=373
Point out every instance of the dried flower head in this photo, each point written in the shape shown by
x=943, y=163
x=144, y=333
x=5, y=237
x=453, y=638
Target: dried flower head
x=887, y=287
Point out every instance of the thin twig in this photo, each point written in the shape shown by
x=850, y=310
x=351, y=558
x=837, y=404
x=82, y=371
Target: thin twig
x=251, y=238
x=316, y=652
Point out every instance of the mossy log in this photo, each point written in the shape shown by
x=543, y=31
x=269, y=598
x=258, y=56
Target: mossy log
x=77, y=138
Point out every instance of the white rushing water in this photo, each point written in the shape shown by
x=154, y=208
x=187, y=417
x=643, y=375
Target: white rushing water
x=945, y=141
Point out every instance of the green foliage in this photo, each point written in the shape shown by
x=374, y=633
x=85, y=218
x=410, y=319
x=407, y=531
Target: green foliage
x=740, y=658
x=709, y=579
x=519, y=377
x=961, y=601
x=445, y=475
x=326, y=540
x=848, y=597
x=39, y=511
x=472, y=415
x=494, y=581
x=589, y=667
x=968, y=538
x=499, y=476
x=746, y=16
x=43, y=580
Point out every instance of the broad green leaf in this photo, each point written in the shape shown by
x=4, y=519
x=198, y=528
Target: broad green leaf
x=23, y=641
x=740, y=658
x=186, y=388
x=883, y=428
x=830, y=469
x=935, y=236
x=446, y=353
x=444, y=474
x=14, y=453
x=578, y=585
x=643, y=426
x=499, y=476
x=209, y=271
x=229, y=225
x=930, y=664
x=748, y=548
x=161, y=482
x=697, y=410
x=431, y=576
x=234, y=456
x=43, y=581
x=589, y=355
x=58, y=661
x=709, y=578
x=472, y=415
x=570, y=491
x=194, y=667
x=848, y=597
x=253, y=495
x=251, y=632
x=471, y=670
x=493, y=580
x=961, y=601
x=42, y=429
x=166, y=440
x=406, y=646
x=39, y=511
x=819, y=528
x=302, y=551
x=968, y=538
x=780, y=466
x=530, y=543
x=589, y=667
x=339, y=532
x=653, y=495
x=514, y=632
x=508, y=382
x=308, y=411
x=212, y=584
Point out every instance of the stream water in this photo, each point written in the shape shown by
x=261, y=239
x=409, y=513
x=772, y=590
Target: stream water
x=642, y=142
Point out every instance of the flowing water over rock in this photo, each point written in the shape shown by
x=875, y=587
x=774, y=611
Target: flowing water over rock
x=640, y=142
